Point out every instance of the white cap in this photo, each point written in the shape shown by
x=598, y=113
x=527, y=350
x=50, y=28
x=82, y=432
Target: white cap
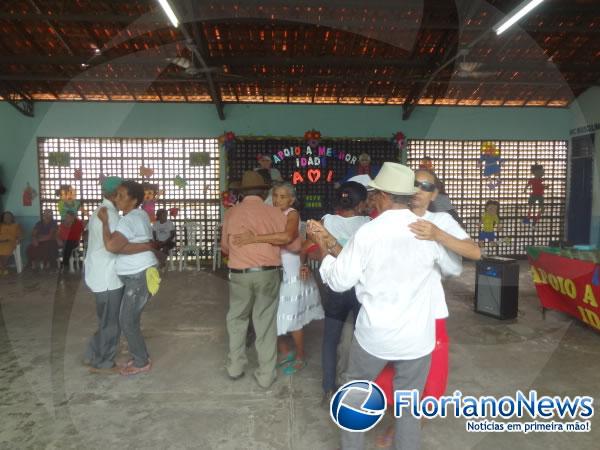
x=362, y=179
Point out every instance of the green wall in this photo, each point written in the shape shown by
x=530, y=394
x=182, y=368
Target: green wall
x=19, y=133
x=586, y=111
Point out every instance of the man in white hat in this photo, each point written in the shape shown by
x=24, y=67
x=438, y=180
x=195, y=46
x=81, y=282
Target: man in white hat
x=393, y=274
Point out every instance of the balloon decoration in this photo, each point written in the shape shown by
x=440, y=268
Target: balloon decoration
x=490, y=161
x=399, y=141
x=227, y=140
x=312, y=138
x=180, y=182
x=67, y=202
x=146, y=172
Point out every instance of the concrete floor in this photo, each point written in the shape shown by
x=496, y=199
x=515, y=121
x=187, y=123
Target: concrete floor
x=49, y=400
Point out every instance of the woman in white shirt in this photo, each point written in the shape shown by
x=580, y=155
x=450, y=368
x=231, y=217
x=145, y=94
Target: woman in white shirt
x=134, y=227
x=350, y=199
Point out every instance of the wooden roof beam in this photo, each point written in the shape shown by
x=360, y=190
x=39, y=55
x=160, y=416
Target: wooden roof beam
x=20, y=100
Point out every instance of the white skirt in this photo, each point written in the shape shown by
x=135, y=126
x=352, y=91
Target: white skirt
x=299, y=302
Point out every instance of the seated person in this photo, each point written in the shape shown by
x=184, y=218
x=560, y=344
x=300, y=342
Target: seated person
x=69, y=235
x=10, y=235
x=163, y=232
x=43, y=247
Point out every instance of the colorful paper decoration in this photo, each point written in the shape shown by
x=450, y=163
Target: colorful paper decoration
x=313, y=201
x=146, y=172
x=399, y=141
x=179, y=182
x=59, y=159
x=78, y=174
x=312, y=176
x=173, y=212
x=490, y=223
x=312, y=138
x=199, y=159
x=28, y=195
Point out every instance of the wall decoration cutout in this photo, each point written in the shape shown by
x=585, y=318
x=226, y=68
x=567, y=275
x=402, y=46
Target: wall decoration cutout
x=490, y=161
x=59, y=159
x=146, y=172
x=67, y=202
x=535, y=202
x=180, y=182
x=199, y=159
x=29, y=194
x=313, y=201
x=151, y=193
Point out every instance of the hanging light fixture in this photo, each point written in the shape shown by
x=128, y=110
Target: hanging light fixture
x=517, y=14
x=169, y=12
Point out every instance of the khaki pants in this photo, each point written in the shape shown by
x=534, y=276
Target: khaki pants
x=255, y=293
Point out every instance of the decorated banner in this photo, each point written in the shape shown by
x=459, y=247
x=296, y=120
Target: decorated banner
x=566, y=284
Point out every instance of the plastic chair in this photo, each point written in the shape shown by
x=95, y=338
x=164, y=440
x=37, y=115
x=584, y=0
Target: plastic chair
x=18, y=258
x=216, y=250
x=193, y=237
x=75, y=261
x=172, y=258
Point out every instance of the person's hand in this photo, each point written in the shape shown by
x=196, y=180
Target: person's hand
x=244, y=238
x=304, y=272
x=103, y=215
x=425, y=230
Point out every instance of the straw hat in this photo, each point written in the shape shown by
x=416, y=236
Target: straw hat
x=395, y=178
x=252, y=180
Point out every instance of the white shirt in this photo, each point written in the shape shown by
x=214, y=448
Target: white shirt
x=343, y=228
x=445, y=222
x=100, y=273
x=136, y=228
x=394, y=275
x=163, y=230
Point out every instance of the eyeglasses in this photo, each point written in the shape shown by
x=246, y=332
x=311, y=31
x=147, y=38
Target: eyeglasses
x=425, y=186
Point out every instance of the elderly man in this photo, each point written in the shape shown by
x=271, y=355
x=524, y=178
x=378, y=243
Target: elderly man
x=254, y=278
x=394, y=275
x=102, y=279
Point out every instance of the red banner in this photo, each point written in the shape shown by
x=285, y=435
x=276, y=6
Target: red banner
x=568, y=285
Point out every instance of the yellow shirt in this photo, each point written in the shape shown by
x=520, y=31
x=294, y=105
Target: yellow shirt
x=489, y=221
x=10, y=233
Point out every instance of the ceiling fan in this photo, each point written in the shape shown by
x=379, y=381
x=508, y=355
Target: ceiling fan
x=467, y=69
x=190, y=69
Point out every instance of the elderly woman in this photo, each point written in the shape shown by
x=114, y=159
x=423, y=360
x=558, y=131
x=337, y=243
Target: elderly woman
x=10, y=234
x=44, y=247
x=132, y=269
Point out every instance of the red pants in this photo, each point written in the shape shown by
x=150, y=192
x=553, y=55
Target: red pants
x=437, y=380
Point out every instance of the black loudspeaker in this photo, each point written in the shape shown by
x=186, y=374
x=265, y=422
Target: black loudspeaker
x=497, y=287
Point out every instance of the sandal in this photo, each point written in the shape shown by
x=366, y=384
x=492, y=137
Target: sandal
x=290, y=357
x=132, y=370
x=294, y=366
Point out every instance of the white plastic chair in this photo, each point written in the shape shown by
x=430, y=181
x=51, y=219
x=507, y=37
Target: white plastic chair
x=216, y=250
x=18, y=258
x=75, y=261
x=193, y=235
x=172, y=258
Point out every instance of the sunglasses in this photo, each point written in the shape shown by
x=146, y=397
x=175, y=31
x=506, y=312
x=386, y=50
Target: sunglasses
x=425, y=186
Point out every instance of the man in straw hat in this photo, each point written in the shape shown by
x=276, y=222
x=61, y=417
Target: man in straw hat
x=102, y=279
x=254, y=278
x=393, y=273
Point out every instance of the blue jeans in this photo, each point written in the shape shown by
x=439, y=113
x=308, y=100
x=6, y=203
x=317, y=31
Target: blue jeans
x=337, y=306
x=135, y=297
